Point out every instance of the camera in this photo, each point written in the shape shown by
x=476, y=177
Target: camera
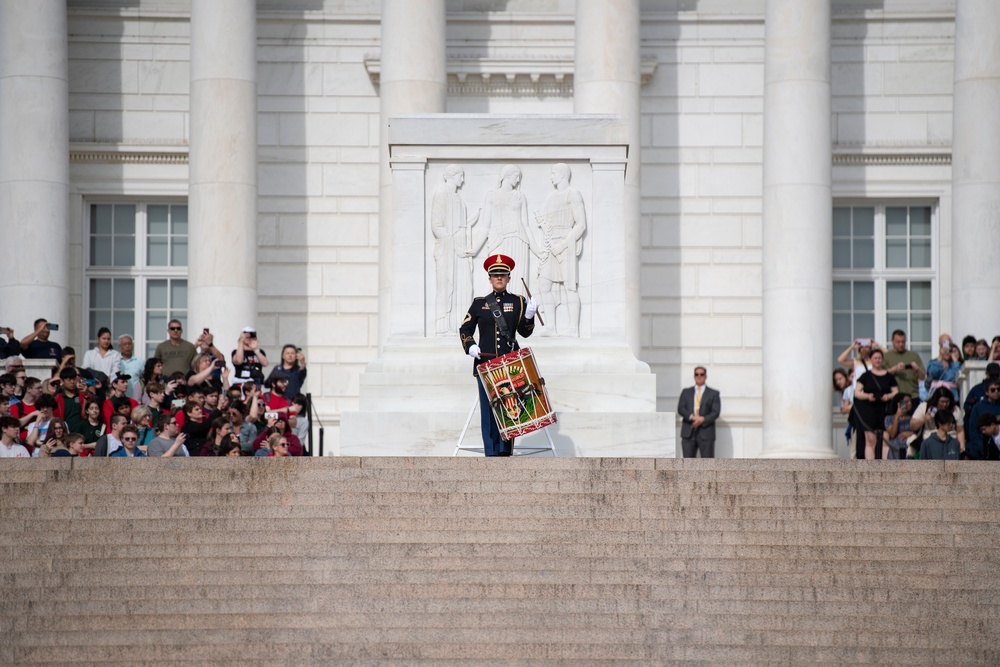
x=53, y=327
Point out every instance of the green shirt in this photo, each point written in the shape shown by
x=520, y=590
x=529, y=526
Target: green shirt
x=71, y=413
x=907, y=378
x=175, y=358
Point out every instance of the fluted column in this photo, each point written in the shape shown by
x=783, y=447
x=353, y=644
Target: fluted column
x=413, y=79
x=222, y=282
x=34, y=164
x=798, y=229
x=975, y=168
x=606, y=79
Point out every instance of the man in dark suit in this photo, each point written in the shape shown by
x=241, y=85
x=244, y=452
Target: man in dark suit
x=699, y=407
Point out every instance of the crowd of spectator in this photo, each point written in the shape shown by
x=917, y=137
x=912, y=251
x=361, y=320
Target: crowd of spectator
x=897, y=408
x=182, y=401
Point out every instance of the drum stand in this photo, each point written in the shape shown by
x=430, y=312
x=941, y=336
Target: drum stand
x=528, y=452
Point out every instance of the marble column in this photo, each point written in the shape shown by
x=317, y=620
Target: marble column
x=34, y=164
x=222, y=272
x=412, y=79
x=798, y=229
x=606, y=79
x=975, y=168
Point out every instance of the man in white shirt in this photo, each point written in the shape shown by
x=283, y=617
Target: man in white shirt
x=10, y=448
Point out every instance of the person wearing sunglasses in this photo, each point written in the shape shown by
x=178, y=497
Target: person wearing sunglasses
x=976, y=445
x=130, y=443
x=175, y=352
x=278, y=444
x=699, y=406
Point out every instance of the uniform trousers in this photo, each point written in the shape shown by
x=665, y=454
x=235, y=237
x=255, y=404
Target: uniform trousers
x=493, y=444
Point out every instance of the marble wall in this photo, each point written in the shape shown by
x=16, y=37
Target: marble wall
x=318, y=128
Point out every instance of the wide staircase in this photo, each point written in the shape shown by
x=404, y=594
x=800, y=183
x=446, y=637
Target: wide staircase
x=470, y=561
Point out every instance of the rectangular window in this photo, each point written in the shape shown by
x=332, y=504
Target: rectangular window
x=166, y=299
x=884, y=274
x=136, y=279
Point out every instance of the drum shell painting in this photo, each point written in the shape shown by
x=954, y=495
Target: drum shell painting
x=517, y=393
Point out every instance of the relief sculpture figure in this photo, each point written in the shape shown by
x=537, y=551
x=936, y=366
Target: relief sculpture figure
x=453, y=250
x=505, y=216
x=563, y=223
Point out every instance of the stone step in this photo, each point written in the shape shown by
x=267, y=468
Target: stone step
x=614, y=641
x=662, y=647
x=167, y=508
x=518, y=530
x=470, y=561
x=356, y=616
x=296, y=584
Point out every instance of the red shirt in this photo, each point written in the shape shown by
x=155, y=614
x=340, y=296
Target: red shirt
x=109, y=409
x=22, y=409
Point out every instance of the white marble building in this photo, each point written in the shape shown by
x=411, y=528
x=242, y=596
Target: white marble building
x=800, y=172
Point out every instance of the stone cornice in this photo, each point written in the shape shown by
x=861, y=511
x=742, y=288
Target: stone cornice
x=511, y=77
x=888, y=158
x=82, y=153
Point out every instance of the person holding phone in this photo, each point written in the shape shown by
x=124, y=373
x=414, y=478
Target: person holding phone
x=248, y=359
x=293, y=364
x=857, y=355
x=905, y=365
x=943, y=371
x=875, y=389
x=37, y=345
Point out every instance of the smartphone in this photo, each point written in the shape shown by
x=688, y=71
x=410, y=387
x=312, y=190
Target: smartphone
x=177, y=402
x=53, y=327
x=271, y=415
x=205, y=330
x=865, y=342
x=298, y=350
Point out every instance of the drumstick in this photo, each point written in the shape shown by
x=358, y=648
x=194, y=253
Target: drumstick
x=537, y=314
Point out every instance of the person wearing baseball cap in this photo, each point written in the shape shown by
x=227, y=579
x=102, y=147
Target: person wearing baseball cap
x=248, y=359
x=499, y=317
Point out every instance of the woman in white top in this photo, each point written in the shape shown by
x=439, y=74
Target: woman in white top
x=103, y=358
x=857, y=356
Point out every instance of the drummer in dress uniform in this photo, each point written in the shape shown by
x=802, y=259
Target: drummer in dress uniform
x=500, y=316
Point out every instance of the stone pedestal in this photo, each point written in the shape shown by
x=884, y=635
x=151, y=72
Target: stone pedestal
x=416, y=397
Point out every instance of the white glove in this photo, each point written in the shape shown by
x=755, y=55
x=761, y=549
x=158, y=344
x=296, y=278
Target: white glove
x=474, y=351
x=531, y=309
